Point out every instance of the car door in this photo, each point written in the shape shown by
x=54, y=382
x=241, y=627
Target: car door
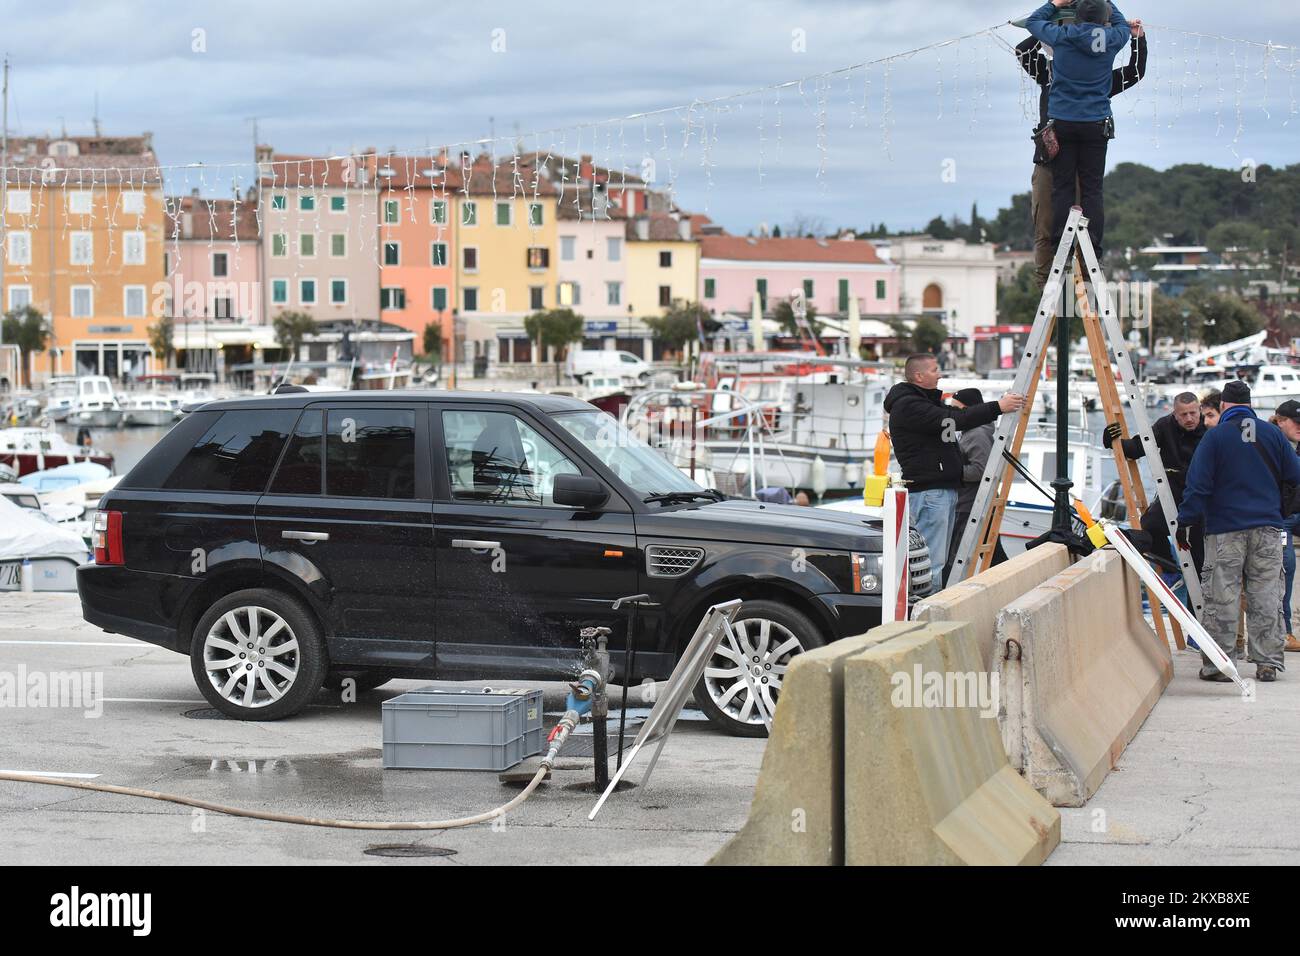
x=519, y=575
x=349, y=513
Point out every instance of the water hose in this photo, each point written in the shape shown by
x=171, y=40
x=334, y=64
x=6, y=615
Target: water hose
x=285, y=817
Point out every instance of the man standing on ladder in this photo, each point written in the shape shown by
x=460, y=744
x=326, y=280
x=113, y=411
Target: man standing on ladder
x=1078, y=106
x=1235, y=486
x=1177, y=436
x=1035, y=60
x=925, y=433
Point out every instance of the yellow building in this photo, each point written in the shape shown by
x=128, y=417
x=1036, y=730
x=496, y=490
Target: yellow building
x=84, y=245
x=663, y=264
x=505, y=248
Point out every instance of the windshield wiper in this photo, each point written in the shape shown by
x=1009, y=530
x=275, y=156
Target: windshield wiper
x=676, y=497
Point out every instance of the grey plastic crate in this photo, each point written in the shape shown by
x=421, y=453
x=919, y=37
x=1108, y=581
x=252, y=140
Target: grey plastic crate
x=441, y=728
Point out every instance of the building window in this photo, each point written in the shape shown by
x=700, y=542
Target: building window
x=760, y=286
x=19, y=201
x=469, y=259
x=471, y=299
x=613, y=293
x=505, y=214
x=539, y=257
x=83, y=248
x=807, y=290
x=535, y=215
x=439, y=297
x=307, y=245
x=83, y=301
x=666, y=259
x=339, y=245
x=614, y=248
x=79, y=201
x=307, y=291
x=392, y=253
x=223, y=308
x=20, y=248
x=469, y=213
x=391, y=213
x=338, y=203
x=220, y=265
x=279, y=291
x=279, y=245
x=535, y=297
x=665, y=295
x=133, y=302
x=438, y=253
x=844, y=295
x=277, y=201
x=307, y=203
x=133, y=248
x=709, y=289
x=392, y=299
x=567, y=244
x=339, y=291
x=880, y=288
x=132, y=203
x=438, y=212
x=20, y=297
x=569, y=294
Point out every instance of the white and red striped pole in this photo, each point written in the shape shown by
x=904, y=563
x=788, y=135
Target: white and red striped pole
x=893, y=605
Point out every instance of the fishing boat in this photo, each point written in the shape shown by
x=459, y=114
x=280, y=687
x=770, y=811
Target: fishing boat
x=96, y=406
x=29, y=449
x=35, y=553
x=149, y=408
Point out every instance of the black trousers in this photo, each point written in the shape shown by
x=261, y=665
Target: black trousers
x=1083, y=159
x=1153, y=523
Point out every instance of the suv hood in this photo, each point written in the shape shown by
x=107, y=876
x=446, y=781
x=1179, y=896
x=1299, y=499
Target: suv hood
x=756, y=522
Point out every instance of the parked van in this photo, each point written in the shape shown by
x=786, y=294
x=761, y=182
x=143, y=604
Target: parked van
x=583, y=362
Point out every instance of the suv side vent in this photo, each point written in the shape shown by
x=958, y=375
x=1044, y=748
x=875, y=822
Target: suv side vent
x=663, y=561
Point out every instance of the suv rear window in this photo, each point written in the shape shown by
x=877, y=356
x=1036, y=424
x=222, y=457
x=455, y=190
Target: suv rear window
x=235, y=453
x=370, y=453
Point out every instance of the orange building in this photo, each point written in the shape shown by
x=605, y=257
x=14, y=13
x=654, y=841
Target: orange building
x=417, y=274
x=84, y=245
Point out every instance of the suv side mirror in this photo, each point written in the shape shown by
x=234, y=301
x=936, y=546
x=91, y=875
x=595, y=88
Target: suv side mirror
x=579, y=490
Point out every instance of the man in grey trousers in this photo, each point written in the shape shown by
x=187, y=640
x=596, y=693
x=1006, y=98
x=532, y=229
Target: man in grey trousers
x=1234, y=487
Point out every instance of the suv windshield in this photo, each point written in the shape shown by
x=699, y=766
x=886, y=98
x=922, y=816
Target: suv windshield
x=638, y=465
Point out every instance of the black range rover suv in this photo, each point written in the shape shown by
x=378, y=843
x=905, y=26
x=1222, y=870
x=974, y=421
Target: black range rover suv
x=286, y=542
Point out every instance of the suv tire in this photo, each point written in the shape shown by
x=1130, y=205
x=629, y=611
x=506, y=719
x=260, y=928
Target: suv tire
x=287, y=654
x=765, y=630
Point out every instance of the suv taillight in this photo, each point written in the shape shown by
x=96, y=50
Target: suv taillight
x=108, y=537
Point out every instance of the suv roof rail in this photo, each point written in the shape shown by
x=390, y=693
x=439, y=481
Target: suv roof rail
x=287, y=389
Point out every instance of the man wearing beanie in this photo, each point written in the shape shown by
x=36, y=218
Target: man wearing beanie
x=1234, y=486
x=924, y=432
x=975, y=444
x=1079, y=105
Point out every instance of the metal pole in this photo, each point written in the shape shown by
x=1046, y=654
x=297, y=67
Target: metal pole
x=1061, y=510
x=4, y=187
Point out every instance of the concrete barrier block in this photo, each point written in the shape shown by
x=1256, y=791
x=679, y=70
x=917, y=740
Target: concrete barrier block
x=1081, y=670
x=926, y=780
x=796, y=816
x=979, y=598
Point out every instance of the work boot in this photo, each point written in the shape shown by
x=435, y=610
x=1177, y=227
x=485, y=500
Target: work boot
x=1291, y=643
x=1213, y=674
x=1265, y=673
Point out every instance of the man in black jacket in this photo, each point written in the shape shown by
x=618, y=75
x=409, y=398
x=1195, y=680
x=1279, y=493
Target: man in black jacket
x=1177, y=435
x=1039, y=67
x=925, y=434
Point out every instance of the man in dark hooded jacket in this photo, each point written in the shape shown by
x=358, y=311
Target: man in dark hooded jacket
x=925, y=434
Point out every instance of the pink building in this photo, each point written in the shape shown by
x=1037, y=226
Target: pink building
x=213, y=263
x=828, y=272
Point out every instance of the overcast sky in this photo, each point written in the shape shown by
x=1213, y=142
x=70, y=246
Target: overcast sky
x=327, y=75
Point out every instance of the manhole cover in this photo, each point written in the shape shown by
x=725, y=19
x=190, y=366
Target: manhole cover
x=205, y=713
x=407, y=849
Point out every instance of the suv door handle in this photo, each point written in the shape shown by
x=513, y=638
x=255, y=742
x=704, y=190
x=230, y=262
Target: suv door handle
x=310, y=537
x=474, y=545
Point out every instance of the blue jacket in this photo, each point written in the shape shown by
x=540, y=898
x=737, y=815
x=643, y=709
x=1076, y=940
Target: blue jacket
x=1227, y=484
x=1082, y=55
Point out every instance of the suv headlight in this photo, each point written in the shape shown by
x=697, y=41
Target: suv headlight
x=866, y=573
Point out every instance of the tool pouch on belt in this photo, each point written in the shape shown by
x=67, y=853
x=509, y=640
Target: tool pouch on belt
x=1045, y=142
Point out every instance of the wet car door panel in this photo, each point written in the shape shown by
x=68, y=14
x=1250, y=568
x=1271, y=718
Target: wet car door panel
x=349, y=515
x=519, y=575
